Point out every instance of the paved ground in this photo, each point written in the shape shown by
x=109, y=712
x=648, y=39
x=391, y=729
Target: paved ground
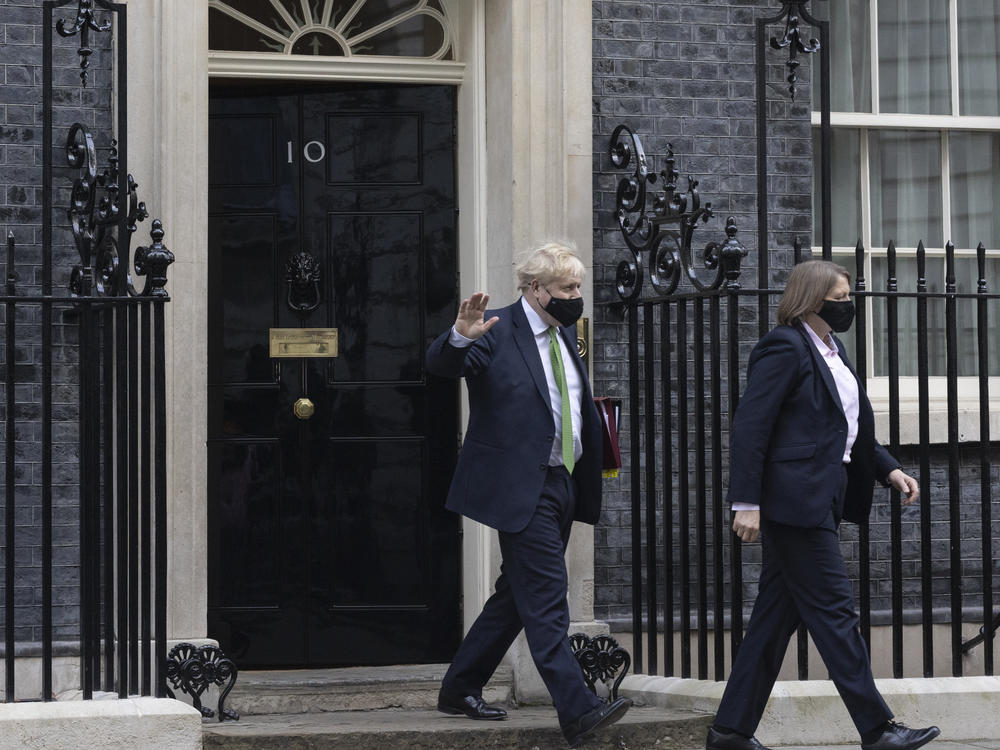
x=938, y=744
x=526, y=717
x=529, y=727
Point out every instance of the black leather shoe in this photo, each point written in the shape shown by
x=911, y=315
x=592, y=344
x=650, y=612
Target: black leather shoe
x=717, y=740
x=472, y=706
x=603, y=716
x=901, y=737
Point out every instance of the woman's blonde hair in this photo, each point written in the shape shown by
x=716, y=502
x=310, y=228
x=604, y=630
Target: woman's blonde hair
x=548, y=262
x=807, y=287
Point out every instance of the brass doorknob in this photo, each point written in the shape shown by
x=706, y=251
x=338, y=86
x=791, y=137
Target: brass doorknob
x=304, y=408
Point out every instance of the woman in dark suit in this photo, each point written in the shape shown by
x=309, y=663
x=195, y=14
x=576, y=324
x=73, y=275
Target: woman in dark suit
x=804, y=457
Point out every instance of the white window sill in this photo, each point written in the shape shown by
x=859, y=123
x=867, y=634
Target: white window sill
x=909, y=409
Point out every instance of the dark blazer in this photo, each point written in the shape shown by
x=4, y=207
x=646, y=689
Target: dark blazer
x=789, y=432
x=505, y=454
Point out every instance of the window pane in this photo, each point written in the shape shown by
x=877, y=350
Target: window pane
x=906, y=281
x=906, y=187
x=913, y=57
x=850, y=56
x=226, y=32
x=846, y=187
x=966, y=277
x=418, y=36
x=978, y=57
x=966, y=280
x=975, y=188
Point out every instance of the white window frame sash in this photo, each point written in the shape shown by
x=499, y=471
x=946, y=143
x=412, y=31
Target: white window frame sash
x=909, y=122
x=362, y=68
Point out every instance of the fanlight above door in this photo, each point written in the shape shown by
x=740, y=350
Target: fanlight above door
x=332, y=28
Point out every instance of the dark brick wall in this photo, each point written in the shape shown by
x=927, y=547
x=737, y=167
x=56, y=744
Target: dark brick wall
x=21, y=109
x=682, y=72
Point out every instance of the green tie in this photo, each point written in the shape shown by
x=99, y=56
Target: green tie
x=567, y=420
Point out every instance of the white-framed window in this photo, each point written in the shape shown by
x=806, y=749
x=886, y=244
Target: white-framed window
x=332, y=28
x=915, y=116
x=393, y=41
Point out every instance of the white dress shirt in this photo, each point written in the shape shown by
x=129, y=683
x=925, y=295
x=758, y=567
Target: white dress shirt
x=847, y=389
x=540, y=329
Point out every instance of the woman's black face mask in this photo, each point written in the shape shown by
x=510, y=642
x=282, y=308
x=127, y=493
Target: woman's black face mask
x=837, y=315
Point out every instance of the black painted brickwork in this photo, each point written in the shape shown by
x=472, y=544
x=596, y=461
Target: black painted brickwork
x=21, y=213
x=682, y=71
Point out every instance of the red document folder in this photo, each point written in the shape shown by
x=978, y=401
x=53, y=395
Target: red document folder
x=609, y=409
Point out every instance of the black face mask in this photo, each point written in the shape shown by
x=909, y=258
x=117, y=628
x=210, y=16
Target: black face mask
x=837, y=315
x=566, y=311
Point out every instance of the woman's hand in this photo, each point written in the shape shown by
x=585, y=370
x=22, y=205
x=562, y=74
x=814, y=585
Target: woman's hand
x=906, y=484
x=746, y=524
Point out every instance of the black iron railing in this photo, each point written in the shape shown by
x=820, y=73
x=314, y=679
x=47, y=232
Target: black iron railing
x=116, y=331
x=687, y=352
x=686, y=355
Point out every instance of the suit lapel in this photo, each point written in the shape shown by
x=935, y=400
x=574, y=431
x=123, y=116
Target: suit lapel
x=865, y=413
x=821, y=366
x=844, y=359
x=525, y=340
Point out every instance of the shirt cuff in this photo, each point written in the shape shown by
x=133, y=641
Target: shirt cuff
x=459, y=341
x=744, y=506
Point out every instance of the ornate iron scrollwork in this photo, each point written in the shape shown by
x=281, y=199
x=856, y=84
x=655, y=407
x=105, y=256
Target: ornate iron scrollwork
x=152, y=261
x=669, y=250
x=84, y=23
x=601, y=659
x=302, y=279
x=95, y=210
x=792, y=39
x=192, y=670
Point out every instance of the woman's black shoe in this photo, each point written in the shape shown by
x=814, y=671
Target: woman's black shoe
x=604, y=715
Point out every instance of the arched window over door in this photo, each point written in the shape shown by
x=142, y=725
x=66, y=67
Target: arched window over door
x=332, y=28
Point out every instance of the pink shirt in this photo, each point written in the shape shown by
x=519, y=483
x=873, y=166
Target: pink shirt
x=847, y=389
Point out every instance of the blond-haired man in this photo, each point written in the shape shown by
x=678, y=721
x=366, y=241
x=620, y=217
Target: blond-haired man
x=530, y=465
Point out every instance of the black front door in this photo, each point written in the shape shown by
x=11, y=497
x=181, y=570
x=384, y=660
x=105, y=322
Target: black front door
x=328, y=540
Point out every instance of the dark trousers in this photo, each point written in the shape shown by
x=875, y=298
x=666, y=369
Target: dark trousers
x=803, y=579
x=531, y=594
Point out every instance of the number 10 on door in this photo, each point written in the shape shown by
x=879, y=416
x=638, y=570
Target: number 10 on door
x=313, y=152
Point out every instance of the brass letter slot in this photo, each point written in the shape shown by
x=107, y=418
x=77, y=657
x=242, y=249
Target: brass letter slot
x=303, y=342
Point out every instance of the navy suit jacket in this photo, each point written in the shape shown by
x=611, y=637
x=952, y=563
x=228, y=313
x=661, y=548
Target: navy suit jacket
x=505, y=454
x=789, y=433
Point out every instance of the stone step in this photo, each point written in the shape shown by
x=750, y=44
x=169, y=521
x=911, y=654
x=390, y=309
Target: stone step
x=299, y=691
x=527, y=728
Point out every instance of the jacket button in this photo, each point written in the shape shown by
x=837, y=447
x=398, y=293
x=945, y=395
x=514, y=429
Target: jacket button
x=543, y=467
